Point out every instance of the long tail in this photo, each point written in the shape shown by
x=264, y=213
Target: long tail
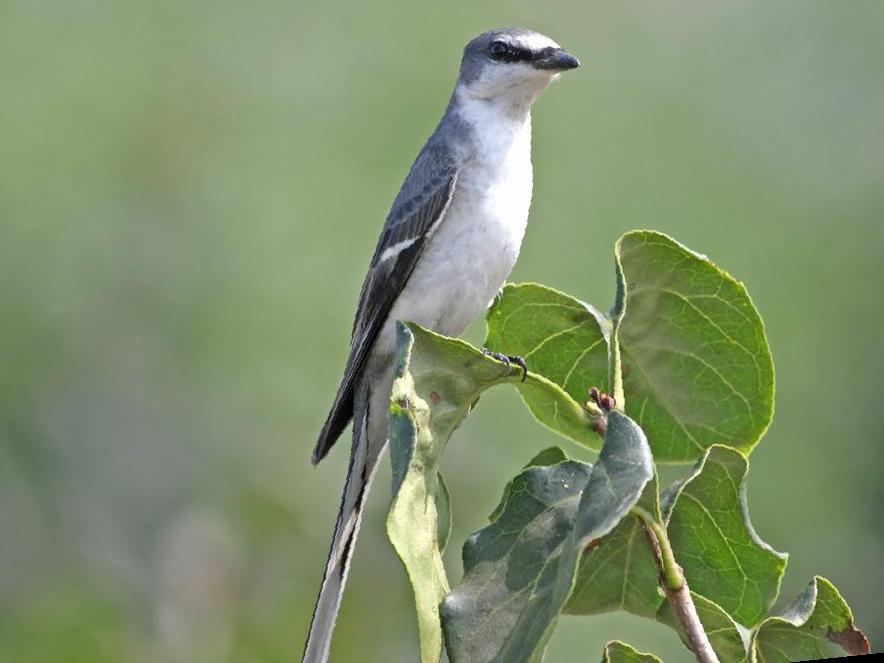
x=363, y=462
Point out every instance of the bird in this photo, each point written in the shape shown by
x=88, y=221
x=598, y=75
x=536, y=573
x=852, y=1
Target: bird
x=450, y=240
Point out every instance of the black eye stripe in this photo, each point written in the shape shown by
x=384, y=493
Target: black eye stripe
x=523, y=54
x=504, y=52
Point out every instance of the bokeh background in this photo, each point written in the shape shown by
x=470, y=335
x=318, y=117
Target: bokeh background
x=189, y=195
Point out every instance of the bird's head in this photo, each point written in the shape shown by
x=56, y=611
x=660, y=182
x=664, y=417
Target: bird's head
x=512, y=65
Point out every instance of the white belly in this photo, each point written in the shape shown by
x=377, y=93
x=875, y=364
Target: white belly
x=466, y=263
x=472, y=252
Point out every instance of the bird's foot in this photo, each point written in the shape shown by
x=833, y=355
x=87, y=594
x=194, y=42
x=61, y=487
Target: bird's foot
x=508, y=360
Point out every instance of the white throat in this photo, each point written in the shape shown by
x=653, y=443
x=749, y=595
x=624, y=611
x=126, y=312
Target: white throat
x=497, y=124
x=512, y=103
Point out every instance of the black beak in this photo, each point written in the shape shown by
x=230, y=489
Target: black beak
x=557, y=60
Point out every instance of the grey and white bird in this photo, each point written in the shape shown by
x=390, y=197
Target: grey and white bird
x=448, y=244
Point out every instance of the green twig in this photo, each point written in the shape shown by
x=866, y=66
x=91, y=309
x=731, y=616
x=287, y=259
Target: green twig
x=615, y=371
x=670, y=571
x=676, y=589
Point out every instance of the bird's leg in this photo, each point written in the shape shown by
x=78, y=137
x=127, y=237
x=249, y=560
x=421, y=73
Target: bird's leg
x=508, y=359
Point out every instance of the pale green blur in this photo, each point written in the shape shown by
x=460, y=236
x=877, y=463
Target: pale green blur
x=189, y=196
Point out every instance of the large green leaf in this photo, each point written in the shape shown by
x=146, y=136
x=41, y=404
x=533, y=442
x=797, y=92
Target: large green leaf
x=817, y=625
x=513, y=562
x=520, y=570
x=620, y=652
x=695, y=361
x=561, y=339
x=437, y=381
x=722, y=556
x=696, y=365
x=423, y=415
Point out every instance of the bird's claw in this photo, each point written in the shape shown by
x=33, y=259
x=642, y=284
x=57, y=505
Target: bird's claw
x=508, y=360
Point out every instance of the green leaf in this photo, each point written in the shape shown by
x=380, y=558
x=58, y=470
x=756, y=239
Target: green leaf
x=723, y=558
x=618, y=571
x=438, y=379
x=620, y=652
x=512, y=562
x=817, y=625
x=696, y=365
x=556, y=410
x=616, y=484
x=549, y=456
x=422, y=418
x=520, y=570
x=416, y=503
x=561, y=339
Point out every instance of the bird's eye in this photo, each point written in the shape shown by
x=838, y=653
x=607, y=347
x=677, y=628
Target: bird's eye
x=499, y=50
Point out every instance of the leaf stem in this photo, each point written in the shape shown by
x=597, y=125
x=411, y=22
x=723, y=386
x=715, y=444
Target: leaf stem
x=615, y=370
x=676, y=589
x=670, y=571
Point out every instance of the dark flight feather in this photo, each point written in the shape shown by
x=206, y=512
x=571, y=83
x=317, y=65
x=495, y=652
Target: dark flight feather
x=415, y=214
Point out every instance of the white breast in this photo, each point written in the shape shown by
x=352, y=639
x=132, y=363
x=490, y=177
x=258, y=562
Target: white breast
x=470, y=255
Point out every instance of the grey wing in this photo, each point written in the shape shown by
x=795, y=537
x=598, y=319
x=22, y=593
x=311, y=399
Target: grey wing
x=416, y=213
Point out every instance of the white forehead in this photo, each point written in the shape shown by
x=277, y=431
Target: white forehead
x=535, y=41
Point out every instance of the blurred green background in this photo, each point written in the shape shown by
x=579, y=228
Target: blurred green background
x=189, y=196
